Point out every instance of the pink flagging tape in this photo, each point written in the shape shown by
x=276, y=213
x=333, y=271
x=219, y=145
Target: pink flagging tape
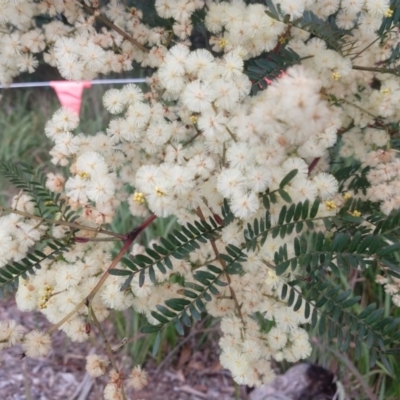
x=70, y=93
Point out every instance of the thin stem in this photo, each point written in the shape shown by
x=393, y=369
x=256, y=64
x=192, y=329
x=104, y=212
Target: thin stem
x=365, y=48
x=126, y=341
x=231, y=134
x=130, y=238
x=79, y=239
x=107, y=345
x=282, y=39
x=313, y=164
x=102, y=334
x=359, y=108
x=65, y=223
x=180, y=344
x=95, y=289
x=170, y=36
x=223, y=264
x=344, y=130
x=105, y=21
x=379, y=70
x=26, y=380
x=191, y=139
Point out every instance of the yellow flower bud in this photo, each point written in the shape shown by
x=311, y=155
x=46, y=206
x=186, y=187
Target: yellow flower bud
x=159, y=192
x=389, y=13
x=222, y=43
x=83, y=175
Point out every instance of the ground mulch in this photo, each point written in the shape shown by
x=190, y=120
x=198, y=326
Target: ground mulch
x=187, y=375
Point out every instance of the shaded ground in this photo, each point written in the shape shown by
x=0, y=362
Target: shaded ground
x=62, y=375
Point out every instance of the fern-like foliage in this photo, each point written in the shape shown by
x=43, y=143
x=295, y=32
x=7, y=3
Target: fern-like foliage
x=272, y=196
x=179, y=311
x=391, y=21
x=207, y=280
x=269, y=66
x=386, y=225
x=33, y=183
x=353, y=177
x=319, y=257
x=326, y=30
x=294, y=218
x=340, y=254
x=48, y=205
x=10, y=273
x=318, y=260
x=177, y=244
x=332, y=314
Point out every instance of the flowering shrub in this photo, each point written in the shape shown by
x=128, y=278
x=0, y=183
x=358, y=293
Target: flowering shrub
x=275, y=146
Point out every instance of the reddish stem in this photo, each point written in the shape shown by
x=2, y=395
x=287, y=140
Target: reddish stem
x=130, y=238
x=79, y=239
x=132, y=235
x=218, y=219
x=313, y=164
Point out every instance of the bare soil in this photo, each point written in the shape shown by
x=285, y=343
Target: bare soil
x=188, y=374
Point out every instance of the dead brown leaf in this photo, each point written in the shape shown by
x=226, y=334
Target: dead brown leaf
x=184, y=357
x=180, y=375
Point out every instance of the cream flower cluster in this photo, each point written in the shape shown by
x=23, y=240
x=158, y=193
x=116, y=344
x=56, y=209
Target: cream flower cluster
x=374, y=9
x=76, y=49
x=237, y=24
x=384, y=177
x=245, y=350
x=59, y=286
x=18, y=234
x=391, y=286
x=34, y=343
x=248, y=357
x=251, y=133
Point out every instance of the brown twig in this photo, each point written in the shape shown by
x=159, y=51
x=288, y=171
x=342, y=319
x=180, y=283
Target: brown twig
x=359, y=108
x=365, y=48
x=223, y=264
x=191, y=139
x=108, y=23
x=130, y=237
x=64, y=223
x=96, y=322
x=231, y=134
x=179, y=345
x=79, y=239
x=313, y=164
x=378, y=70
x=106, y=344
